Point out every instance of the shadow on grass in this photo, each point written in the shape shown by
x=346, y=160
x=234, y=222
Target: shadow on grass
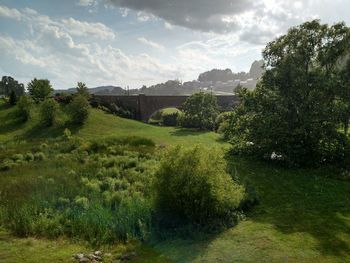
x=301, y=201
x=11, y=122
x=187, y=132
x=42, y=132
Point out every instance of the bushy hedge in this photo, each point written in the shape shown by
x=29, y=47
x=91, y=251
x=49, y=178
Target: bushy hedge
x=192, y=186
x=48, y=112
x=79, y=109
x=24, y=106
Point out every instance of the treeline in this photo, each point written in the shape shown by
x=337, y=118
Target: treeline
x=299, y=113
x=40, y=93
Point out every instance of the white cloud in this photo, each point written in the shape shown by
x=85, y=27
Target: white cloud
x=79, y=28
x=87, y=3
x=10, y=12
x=151, y=43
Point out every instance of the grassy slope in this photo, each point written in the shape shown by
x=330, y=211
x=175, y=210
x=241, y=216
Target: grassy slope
x=303, y=216
x=99, y=125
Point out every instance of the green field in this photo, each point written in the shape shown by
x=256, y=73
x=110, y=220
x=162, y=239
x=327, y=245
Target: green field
x=303, y=215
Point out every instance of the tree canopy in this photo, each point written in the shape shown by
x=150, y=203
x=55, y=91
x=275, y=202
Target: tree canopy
x=302, y=100
x=199, y=111
x=40, y=89
x=9, y=85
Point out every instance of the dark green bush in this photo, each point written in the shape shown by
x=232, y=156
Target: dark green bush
x=192, y=186
x=48, y=112
x=170, y=119
x=24, y=106
x=79, y=109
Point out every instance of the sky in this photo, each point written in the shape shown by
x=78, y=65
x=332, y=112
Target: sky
x=144, y=42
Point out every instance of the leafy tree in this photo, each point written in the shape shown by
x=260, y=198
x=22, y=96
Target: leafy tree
x=24, y=107
x=48, y=112
x=83, y=90
x=9, y=85
x=191, y=185
x=13, y=98
x=79, y=109
x=293, y=114
x=199, y=111
x=39, y=89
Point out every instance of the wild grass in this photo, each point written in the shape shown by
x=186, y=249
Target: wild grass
x=303, y=215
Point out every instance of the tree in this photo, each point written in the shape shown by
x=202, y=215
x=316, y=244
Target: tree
x=199, y=111
x=79, y=109
x=13, y=98
x=39, y=89
x=293, y=113
x=48, y=112
x=83, y=90
x=9, y=84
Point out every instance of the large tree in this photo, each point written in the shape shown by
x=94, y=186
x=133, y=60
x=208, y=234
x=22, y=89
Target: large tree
x=296, y=111
x=199, y=111
x=9, y=85
x=40, y=89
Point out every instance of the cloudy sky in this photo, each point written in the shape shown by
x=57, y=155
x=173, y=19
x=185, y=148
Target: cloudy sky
x=136, y=42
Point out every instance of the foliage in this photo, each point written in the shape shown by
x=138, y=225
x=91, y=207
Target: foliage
x=170, y=119
x=48, y=112
x=79, y=109
x=98, y=191
x=24, y=107
x=13, y=98
x=192, y=185
x=39, y=89
x=83, y=90
x=293, y=115
x=9, y=85
x=199, y=111
x=221, y=120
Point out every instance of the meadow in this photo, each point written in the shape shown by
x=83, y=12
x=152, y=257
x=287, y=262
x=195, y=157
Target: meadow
x=303, y=215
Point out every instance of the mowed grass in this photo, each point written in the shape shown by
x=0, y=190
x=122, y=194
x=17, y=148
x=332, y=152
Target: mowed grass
x=303, y=215
x=102, y=125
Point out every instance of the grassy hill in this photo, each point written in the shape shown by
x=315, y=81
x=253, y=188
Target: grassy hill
x=303, y=214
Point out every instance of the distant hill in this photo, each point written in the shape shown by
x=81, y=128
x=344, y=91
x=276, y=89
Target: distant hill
x=218, y=81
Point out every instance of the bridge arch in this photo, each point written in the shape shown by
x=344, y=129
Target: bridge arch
x=144, y=105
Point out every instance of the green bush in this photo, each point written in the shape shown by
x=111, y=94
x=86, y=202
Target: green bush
x=48, y=112
x=39, y=156
x=221, y=120
x=199, y=111
x=79, y=109
x=192, y=186
x=24, y=106
x=170, y=119
x=29, y=157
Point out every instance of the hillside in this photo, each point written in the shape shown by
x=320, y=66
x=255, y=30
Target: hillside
x=303, y=216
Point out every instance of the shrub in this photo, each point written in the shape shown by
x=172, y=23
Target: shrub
x=39, y=156
x=199, y=111
x=191, y=185
x=222, y=118
x=48, y=112
x=79, y=109
x=13, y=98
x=170, y=119
x=67, y=133
x=29, y=157
x=24, y=106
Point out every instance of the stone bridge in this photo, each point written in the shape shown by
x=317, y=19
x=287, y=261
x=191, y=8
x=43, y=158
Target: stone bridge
x=144, y=106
